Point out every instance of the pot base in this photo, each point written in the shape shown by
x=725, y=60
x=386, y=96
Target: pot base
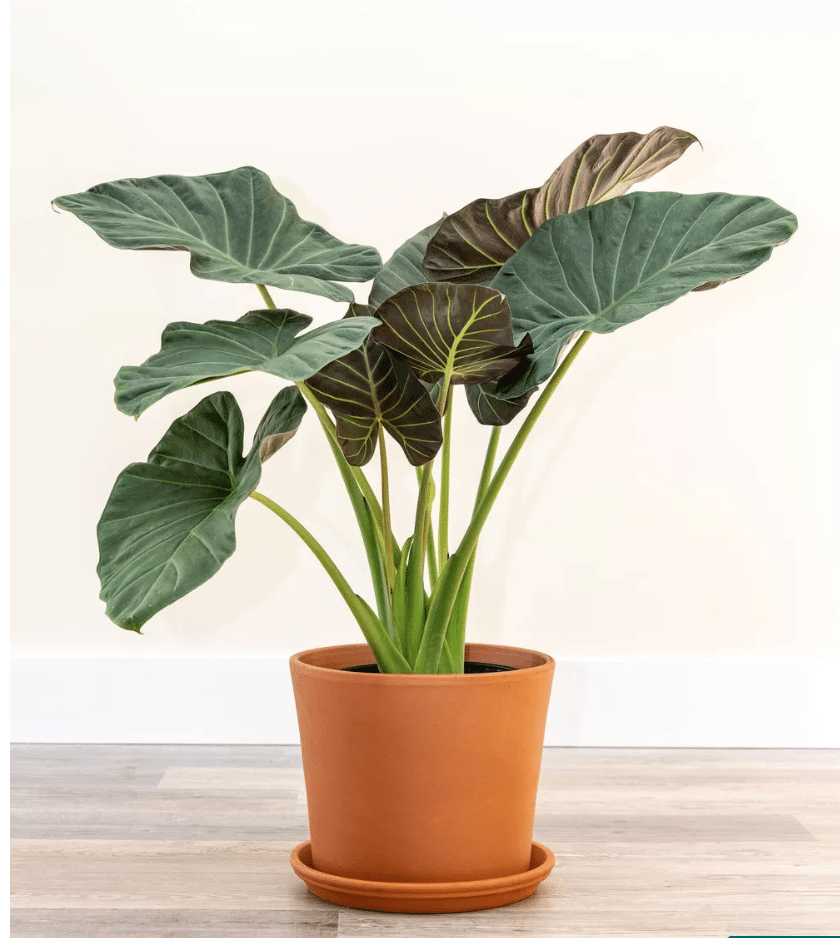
x=422, y=897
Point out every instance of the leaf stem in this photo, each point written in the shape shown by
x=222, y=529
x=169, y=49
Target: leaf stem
x=446, y=591
x=443, y=516
x=453, y=646
x=329, y=428
x=487, y=468
x=388, y=545
x=269, y=302
x=387, y=654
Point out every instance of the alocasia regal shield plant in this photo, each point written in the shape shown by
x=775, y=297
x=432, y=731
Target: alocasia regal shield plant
x=500, y=297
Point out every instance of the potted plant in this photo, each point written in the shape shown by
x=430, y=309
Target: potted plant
x=421, y=752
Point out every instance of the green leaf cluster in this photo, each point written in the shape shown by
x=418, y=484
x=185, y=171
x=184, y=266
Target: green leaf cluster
x=499, y=297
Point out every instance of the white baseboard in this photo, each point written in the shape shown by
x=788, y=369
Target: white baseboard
x=610, y=701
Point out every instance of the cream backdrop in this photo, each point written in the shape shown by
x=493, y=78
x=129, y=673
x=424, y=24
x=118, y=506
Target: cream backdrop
x=680, y=499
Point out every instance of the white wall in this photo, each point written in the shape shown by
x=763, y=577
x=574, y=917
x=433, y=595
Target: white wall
x=681, y=498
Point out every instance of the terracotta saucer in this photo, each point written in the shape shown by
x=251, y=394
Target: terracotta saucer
x=422, y=897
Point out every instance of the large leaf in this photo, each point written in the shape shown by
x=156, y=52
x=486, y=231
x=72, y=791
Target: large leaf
x=237, y=227
x=264, y=340
x=168, y=525
x=404, y=268
x=458, y=331
x=370, y=387
x=472, y=244
x=606, y=266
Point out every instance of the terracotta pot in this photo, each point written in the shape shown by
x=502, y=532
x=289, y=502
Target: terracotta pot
x=420, y=778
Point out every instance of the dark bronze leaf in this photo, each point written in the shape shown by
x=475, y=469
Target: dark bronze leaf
x=369, y=387
x=459, y=331
x=472, y=244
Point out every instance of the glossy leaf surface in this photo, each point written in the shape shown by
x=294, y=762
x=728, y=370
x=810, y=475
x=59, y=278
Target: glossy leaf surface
x=472, y=244
x=458, y=330
x=264, y=340
x=236, y=226
x=168, y=525
x=371, y=387
x=606, y=266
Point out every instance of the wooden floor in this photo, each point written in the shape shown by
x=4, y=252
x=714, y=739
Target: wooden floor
x=188, y=841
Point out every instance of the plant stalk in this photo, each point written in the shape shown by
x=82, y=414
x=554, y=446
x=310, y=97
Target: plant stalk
x=448, y=586
x=416, y=619
x=329, y=429
x=443, y=516
x=388, y=545
x=453, y=646
x=387, y=654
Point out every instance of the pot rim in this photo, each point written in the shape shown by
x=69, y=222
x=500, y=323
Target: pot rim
x=526, y=662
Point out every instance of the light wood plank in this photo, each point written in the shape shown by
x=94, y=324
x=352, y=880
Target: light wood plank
x=525, y=919
x=153, y=814
x=668, y=828
x=129, y=923
x=177, y=840
x=288, y=778
x=144, y=874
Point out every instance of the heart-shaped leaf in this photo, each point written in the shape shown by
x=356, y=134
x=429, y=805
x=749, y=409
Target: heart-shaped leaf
x=264, y=340
x=490, y=409
x=472, y=244
x=370, y=387
x=608, y=265
x=168, y=525
x=237, y=227
x=458, y=332
x=404, y=268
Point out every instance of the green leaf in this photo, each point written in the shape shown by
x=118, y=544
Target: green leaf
x=490, y=409
x=168, y=525
x=237, y=227
x=606, y=266
x=370, y=387
x=400, y=584
x=472, y=244
x=458, y=331
x=404, y=268
x=264, y=340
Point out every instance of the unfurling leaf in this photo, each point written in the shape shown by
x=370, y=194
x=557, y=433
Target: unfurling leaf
x=168, y=525
x=371, y=387
x=264, y=340
x=472, y=244
x=606, y=266
x=237, y=227
x=458, y=331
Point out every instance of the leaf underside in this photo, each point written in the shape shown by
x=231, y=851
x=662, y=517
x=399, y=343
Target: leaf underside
x=236, y=226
